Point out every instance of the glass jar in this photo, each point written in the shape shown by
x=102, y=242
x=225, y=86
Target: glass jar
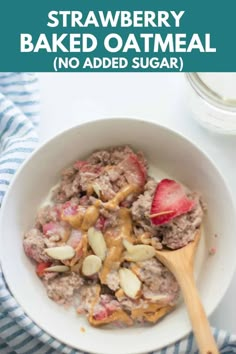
x=212, y=99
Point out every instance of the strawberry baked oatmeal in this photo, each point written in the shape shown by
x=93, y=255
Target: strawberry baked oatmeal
x=94, y=244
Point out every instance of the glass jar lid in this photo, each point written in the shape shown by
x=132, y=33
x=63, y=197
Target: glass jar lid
x=219, y=89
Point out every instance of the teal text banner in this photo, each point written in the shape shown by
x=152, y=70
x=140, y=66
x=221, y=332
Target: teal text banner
x=118, y=36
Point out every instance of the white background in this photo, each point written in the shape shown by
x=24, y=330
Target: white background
x=70, y=98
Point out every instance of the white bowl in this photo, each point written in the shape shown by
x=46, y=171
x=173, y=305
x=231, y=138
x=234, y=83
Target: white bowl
x=168, y=153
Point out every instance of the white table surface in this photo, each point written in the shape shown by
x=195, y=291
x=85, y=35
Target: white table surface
x=70, y=98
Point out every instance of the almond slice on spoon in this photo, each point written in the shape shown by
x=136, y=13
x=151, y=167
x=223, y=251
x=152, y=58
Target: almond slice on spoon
x=58, y=269
x=91, y=265
x=130, y=283
x=97, y=242
x=139, y=253
x=60, y=253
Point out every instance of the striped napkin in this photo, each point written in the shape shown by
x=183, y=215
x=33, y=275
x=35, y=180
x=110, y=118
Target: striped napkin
x=19, y=118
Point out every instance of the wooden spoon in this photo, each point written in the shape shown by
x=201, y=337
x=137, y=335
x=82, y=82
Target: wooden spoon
x=180, y=263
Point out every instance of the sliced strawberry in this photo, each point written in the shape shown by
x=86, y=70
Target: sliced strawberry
x=78, y=165
x=134, y=171
x=100, y=223
x=55, y=228
x=84, y=166
x=69, y=209
x=169, y=201
x=106, y=307
x=50, y=226
x=40, y=268
x=75, y=238
x=101, y=315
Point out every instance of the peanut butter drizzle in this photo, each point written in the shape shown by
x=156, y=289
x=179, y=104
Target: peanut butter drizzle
x=112, y=262
x=145, y=238
x=84, y=221
x=80, y=251
x=74, y=220
x=90, y=217
x=126, y=225
x=118, y=315
x=76, y=268
x=122, y=195
x=119, y=294
x=115, y=244
x=152, y=313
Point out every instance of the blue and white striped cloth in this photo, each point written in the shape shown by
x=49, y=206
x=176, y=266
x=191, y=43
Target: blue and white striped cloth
x=19, y=118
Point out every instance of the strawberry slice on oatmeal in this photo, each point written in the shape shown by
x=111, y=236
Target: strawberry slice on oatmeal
x=170, y=200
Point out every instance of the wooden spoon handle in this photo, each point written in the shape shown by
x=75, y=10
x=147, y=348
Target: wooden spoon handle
x=201, y=328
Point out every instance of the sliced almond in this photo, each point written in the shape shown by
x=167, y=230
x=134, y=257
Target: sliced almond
x=97, y=242
x=128, y=245
x=156, y=297
x=91, y=265
x=61, y=253
x=139, y=253
x=97, y=189
x=130, y=283
x=58, y=269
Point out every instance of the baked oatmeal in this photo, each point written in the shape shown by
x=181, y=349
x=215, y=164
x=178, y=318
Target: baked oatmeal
x=94, y=244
